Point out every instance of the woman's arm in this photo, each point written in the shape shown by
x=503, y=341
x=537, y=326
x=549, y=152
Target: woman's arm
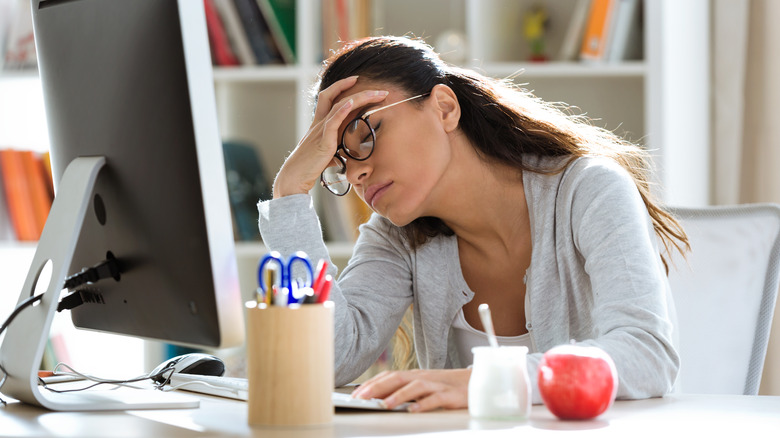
x=371, y=295
x=630, y=294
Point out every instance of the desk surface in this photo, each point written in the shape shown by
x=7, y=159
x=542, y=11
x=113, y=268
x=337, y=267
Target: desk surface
x=699, y=414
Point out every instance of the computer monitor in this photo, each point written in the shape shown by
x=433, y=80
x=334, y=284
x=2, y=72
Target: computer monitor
x=139, y=177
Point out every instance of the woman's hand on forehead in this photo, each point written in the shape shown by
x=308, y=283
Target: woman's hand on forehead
x=302, y=168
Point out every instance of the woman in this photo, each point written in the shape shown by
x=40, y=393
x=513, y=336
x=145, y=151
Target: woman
x=482, y=193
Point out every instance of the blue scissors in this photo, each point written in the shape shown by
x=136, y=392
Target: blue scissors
x=286, y=268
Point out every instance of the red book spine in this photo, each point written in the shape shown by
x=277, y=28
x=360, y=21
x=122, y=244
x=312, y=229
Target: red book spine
x=218, y=39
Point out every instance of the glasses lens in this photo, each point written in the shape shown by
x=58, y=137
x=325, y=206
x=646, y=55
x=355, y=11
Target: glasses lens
x=358, y=139
x=334, y=178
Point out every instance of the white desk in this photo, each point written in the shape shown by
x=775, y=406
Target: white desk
x=671, y=416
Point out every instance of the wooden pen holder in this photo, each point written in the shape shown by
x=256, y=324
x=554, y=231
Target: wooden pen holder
x=290, y=364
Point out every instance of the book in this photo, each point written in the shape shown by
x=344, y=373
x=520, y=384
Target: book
x=49, y=358
x=597, y=28
x=360, y=18
x=625, y=41
x=37, y=185
x=333, y=30
x=344, y=20
x=341, y=215
x=248, y=183
x=20, y=42
x=221, y=52
x=46, y=163
x=235, y=31
x=59, y=348
x=258, y=33
x=7, y=232
x=17, y=195
x=572, y=40
x=280, y=16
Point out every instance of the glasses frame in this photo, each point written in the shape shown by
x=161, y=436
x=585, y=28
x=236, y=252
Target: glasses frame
x=362, y=118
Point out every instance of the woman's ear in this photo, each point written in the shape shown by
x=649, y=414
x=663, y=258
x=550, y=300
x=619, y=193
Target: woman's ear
x=446, y=103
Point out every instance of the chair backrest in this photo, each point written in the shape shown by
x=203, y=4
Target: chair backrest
x=724, y=294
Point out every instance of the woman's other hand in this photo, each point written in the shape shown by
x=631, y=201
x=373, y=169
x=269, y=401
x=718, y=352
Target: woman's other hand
x=425, y=389
x=302, y=168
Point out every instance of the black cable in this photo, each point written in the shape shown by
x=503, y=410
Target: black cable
x=26, y=303
x=105, y=269
x=108, y=268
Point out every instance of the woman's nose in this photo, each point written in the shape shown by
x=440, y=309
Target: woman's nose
x=358, y=171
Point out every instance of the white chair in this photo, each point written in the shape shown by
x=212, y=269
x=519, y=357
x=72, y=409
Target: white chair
x=724, y=294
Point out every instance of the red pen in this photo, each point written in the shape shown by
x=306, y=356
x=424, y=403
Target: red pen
x=322, y=270
x=324, y=293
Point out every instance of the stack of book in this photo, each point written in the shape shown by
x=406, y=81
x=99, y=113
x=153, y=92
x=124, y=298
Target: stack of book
x=251, y=32
x=604, y=31
x=345, y=20
x=27, y=193
x=261, y=32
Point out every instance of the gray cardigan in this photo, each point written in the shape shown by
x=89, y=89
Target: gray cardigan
x=595, y=277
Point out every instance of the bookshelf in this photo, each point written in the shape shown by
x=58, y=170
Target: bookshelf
x=661, y=101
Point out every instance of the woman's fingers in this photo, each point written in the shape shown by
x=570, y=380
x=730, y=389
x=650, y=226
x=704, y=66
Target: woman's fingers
x=367, y=389
x=333, y=120
x=425, y=389
x=339, y=113
x=447, y=398
x=327, y=96
x=301, y=170
x=416, y=391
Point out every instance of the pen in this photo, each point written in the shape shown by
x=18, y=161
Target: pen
x=324, y=293
x=322, y=270
x=270, y=276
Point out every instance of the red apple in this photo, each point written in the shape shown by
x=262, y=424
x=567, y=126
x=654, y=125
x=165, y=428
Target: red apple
x=577, y=382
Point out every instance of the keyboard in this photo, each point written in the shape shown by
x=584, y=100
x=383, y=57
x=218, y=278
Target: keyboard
x=238, y=388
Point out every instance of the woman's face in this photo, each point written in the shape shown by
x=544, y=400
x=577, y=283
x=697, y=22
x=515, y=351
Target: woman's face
x=410, y=156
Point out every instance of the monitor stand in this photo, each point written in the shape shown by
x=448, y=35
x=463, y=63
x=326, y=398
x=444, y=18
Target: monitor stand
x=26, y=337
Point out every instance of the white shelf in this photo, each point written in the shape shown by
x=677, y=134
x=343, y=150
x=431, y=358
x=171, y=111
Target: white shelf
x=563, y=70
x=661, y=101
x=257, y=74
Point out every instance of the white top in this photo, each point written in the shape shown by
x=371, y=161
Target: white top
x=466, y=337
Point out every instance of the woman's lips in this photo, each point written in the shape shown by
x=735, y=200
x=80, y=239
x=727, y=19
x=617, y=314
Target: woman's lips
x=375, y=192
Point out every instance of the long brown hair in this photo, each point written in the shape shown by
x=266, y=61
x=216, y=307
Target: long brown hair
x=504, y=122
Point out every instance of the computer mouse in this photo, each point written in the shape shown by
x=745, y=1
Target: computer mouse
x=191, y=363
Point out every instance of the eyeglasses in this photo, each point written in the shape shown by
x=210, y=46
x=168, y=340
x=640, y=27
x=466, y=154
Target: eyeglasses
x=357, y=142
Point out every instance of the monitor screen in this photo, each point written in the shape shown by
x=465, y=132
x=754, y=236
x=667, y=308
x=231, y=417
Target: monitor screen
x=139, y=179
x=131, y=81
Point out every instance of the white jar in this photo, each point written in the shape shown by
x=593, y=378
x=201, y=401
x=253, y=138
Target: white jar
x=499, y=387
